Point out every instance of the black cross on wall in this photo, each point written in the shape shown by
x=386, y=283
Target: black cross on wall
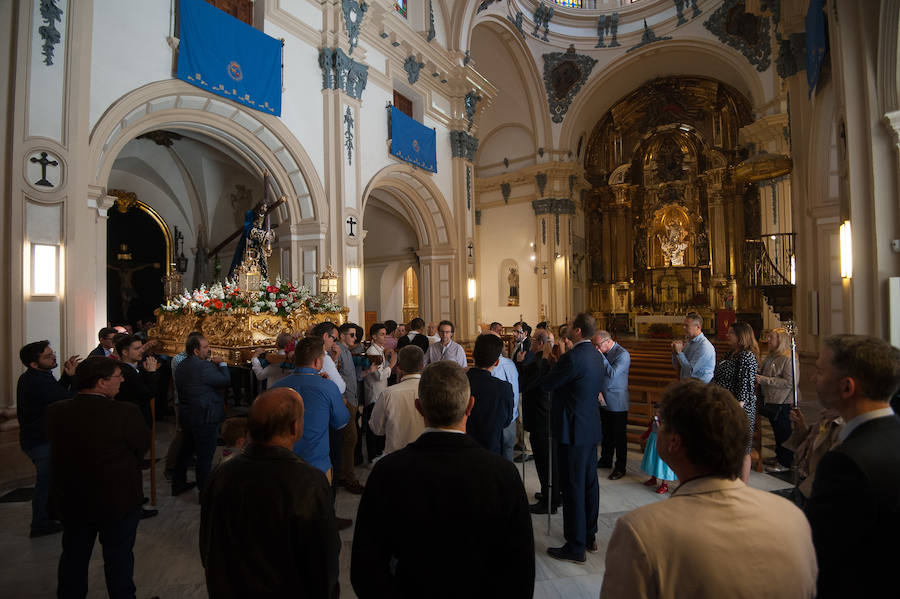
x=44, y=162
x=471, y=247
x=352, y=222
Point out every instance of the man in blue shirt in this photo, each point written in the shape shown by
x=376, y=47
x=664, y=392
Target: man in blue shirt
x=696, y=357
x=324, y=405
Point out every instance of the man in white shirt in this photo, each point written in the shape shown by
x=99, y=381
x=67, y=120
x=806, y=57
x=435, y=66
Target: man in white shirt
x=328, y=332
x=273, y=371
x=447, y=349
x=395, y=415
x=375, y=381
x=431, y=333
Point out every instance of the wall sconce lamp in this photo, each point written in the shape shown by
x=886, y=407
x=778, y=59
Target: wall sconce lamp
x=471, y=288
x=846, y=251
x=44, y=269
x=353, y=281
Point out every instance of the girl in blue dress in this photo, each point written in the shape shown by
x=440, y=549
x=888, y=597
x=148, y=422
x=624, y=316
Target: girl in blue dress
x=652, y=464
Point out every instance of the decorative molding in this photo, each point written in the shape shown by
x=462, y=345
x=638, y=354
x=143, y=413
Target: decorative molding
x=648, y=37
x=517, y=22
x=608, y=25
x=431, y=33
x=484, y=6
x=564, y=74
x=471, y=101
x=463, y=145
x=413, y=67
x=348, y=135
x=125, y=200
x=50, y=13
x=542, y=16
x=553, y=206
x=468, y=187
x=791, y=55
x=679, y=10
x=353, y=16
x=340, y=72
x=161, y=137
x=541, y=179
x=505, y=190
x=757, y=54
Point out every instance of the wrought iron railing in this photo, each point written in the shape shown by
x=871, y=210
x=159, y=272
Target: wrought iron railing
x=769, y=260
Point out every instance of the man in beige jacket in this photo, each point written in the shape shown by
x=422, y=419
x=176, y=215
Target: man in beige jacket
x=715, y=537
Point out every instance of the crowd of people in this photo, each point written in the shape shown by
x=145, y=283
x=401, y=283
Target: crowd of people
x=442, y=437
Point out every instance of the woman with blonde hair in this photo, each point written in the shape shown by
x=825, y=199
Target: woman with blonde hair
x=776, y=382
x=737, y=373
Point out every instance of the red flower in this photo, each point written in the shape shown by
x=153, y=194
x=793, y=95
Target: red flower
x=218, y=305
x=272, y=289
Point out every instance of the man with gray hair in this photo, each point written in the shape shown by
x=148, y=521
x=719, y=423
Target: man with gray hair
x=267, y=525
x=395, y=415
x=614, y=405
x=440, y=499
x=854, y=506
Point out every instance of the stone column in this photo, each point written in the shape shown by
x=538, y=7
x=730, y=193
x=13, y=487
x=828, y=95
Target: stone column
x=717, y=219
x=462, y=149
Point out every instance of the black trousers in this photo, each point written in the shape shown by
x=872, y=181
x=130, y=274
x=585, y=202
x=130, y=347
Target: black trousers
x=581, y=495
x=116, y=538
x=615, y=438
x=541, y=447
x=374, y=443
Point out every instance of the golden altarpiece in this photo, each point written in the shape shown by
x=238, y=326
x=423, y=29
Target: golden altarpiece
x=667, y=216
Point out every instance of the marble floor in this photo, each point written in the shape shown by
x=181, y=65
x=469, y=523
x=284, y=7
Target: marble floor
x=167, y=560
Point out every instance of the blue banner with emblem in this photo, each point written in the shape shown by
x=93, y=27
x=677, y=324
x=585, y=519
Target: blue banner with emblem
x=412, y=142
x=816, y=42
x=227, y=57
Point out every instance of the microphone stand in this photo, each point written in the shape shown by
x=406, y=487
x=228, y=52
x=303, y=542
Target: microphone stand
x=549, y=498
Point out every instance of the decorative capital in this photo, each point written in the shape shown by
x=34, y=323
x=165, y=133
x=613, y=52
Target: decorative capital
x=470, y=102
x=541, y=179
x=463, y=145
x=745, y=32
x=124, y=200
x=340, y=72
x=553, y=206
x=505, y=190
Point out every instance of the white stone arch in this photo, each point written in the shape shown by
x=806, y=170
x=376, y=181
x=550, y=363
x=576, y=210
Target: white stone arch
x=423, y=202
x=262, y=139
x=686, y=57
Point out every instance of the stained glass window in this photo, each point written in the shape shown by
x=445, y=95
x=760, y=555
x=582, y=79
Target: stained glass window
x=400, y=7
x=569, y=3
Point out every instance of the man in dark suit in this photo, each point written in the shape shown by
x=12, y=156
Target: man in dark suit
x=96, y=446
x=37, y=388
x=494, y=401
x=416, y=335
x=533, y=367
x=614, y=407
x=578, y=378
x=201, y=408
x=854, y=506
x=522, y=333
x=140, y=384
x=107, y=343
x=267, y=526
x=442, y=517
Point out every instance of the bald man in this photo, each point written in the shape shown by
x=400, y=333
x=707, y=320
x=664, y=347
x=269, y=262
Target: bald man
x=267, y=524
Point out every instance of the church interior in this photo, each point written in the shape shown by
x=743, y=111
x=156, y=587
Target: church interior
x=635, y=159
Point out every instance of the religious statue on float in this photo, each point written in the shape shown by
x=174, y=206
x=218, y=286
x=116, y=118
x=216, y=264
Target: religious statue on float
x=257, y=235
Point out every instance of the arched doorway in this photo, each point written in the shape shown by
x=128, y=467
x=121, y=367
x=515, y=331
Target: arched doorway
x=198, y=161
x=139, y=252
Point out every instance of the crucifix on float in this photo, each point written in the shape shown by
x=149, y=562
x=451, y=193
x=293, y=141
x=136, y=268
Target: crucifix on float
x=44, y=162
x=352, y=222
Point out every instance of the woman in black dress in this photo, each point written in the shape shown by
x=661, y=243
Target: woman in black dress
x=737, y=373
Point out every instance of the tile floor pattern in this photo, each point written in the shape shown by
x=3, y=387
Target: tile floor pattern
x=167, y=560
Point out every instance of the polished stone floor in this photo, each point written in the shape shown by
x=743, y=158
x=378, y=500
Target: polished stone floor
x=167, y=560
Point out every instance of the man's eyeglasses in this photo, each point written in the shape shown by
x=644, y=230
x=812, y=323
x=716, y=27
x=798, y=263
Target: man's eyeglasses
x=333, y=337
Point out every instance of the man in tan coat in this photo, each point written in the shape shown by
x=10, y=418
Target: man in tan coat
x=715, y=537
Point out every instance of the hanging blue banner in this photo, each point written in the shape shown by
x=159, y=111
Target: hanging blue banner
x=227, y=57
x=412, y=142
x=816, y=42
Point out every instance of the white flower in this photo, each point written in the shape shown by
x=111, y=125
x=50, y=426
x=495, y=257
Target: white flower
x=255, y=309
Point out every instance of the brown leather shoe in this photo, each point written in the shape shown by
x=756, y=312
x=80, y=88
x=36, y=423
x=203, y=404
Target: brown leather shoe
x=354, y=486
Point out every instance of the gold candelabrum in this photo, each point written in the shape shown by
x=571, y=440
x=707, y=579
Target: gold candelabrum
x=248, y=274
x=328, y=282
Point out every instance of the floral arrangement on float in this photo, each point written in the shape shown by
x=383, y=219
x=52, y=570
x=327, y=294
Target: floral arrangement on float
x=282, y=298
x=236, y=321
